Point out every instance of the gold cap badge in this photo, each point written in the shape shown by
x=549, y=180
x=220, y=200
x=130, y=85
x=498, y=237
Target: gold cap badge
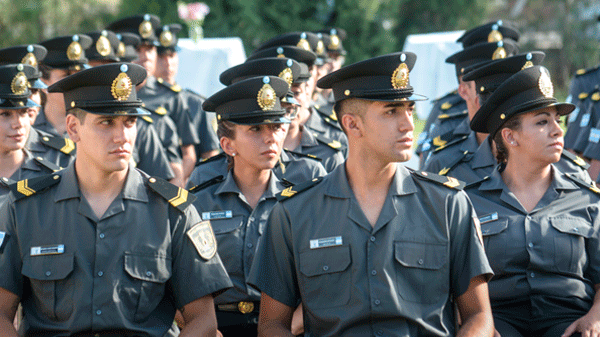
x=30, y=58
x=166, y=37
x=528, y=63
x=74, y=51
x=145, y=27
x=121, y=87
x=121, y=49
x=334, y=44
x=545, y=83
x=495, y=35
x=103, y=45
x=266, y=95
x=320, y=45
x=400, y=75
x=19, y=83
x=500, y=52
x=287, y=73
x=303, y=43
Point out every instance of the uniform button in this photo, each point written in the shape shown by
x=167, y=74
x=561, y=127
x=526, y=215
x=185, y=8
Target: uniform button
x=148, y=273
x=249, y=245
x=575, y=229
x=101, y=235
x=532, y=274
x=530, y=245
x=528, y=217
x=325, y=268
x=48, y=273
x=98, y=312
x=377, y=302
x=372, y=239
x=420, y=261
x=373, y=272
x=100, y=273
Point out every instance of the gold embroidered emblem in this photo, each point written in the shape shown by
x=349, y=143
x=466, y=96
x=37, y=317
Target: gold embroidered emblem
x=19, y=84
x=288, y=192
x=204, y=240
x=30, y=59
x=121, y=87
x=446, y=106
x=287, y=75
x=444, y=171
x=103, y=46
x=320, y=48
x=495, y=36
x=74, y=51
x=335, y=144
x=527, y=64
x=246, y=307
x=580, y=72
x=266, y=97
x=145, y=29
x=437, y=141
x=166, y=38
x=582, y=95
x=121, y=49
x=24, y=189
x=545, y=83
x=400, y=77
x=499, y=53
x=452, y=182
x=334, y=44
x=596, y=96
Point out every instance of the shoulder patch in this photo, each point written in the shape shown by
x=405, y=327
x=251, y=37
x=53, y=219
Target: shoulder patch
x=176, y=196
x=304, y=155
x=206, y=184
x=64, y=145
x=575, y=159
x=450, y=143
x=453, y=163
x=51, y=166
x=453, y=115
x=590, y=186
x=211, y=159
x=29, y=187
x=442, y=180
x=332, y=143
x=203, y=238
x=293, y=190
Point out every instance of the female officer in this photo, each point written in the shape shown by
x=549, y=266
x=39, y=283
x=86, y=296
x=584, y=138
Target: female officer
x=540, y=226
x=251, y=132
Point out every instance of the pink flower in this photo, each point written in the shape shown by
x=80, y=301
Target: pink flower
x=182, y=11
x=197, y=10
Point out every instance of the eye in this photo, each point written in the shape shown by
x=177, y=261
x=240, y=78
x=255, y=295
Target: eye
x=106, y=122
x=5, y=114
x=255, y=128
x=542, y=122
x=129, y=122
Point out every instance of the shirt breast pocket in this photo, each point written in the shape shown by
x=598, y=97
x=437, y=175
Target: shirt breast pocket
x=569, y=243
x=51, y=288
x=421, y=271
x=147, y=287
x=228, y=225
x=495, y=242
x=325, y=268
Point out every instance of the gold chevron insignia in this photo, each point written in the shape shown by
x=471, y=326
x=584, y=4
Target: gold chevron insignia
x=161, y=110
x=446, y=106
x=444, y=171
x=452, y=182
x=579, y=161
x=288, y=192
x=24, y=189
x=69, y=146
x=335, y=144
x=181, y=197
x=437, y=141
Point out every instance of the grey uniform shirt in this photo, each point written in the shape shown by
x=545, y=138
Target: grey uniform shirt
x=330, y=153
x=462, y=142
x=30, y=168
x=394, y=279
x=238, y=229
x=128, y=270
x=149, y=153
x=61, y=155
x=316, y=123
x=550, y=255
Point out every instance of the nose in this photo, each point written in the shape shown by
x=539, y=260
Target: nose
x=20, y=120
x=405, y=123
x=557, y=131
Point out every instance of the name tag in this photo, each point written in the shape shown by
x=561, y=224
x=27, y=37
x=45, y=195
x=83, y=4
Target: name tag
x=585, y=120
x=326, y=242
x=217, y=215
x=594, y=135
x=47, y=250
x=488, y=218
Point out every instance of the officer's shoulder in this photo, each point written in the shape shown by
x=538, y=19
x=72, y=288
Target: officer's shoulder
x=212, y=159
x=453, y=115
x=177, y=197
x=47, y=164
x=192, y=93
x=28, y=187
x=216, y=180
x=298, y=189
x=172, y=87
x=443, y=144
x=297, y=155
x=327, y=113
x=447, y=95
x=145, y=118
x=586, y=71
x=332, y=143
x=64, y=145
x=584, y=184
x=449, y=182
x=476, y=183
x=575, y=159
x=454, y=162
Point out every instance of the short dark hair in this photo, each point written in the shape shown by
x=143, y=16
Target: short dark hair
x=513, y=123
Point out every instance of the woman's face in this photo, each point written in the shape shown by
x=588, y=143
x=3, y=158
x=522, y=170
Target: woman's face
x=14, y=129
x=257, y=146
x=540, y=137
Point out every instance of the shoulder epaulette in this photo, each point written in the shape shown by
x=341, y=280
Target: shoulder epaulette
x=475, y=183
x=51, y=166
x=64, y=145
x=304, y=155
x=327, y=114
x=443, y=139
x=29, y=187
x=584, y=71
x=450, y=143
x=442, y=180
x=332, y=143
x=206, y=184
x=453, y=163
x=576, y=159
x=286, y=183
x=211, y=159
x=176, y=196
x=590, y=186
x=174, y=87
x=453, y=115
x=6, y=182
x=293, y=190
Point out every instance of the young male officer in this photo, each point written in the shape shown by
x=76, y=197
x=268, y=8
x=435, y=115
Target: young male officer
x=100, y=248
x=374, y=249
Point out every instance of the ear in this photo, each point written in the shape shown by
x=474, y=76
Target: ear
x=73, y=125
x=228, y=146
x=509, y=137
x=353, y=125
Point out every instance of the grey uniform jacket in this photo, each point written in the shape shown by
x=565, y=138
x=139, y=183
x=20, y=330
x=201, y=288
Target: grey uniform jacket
x=550, y=255
x=321, y=127
x=55, y=149
x=30, y=168
x=394, y=279
x=330, y=151
x=127, y=271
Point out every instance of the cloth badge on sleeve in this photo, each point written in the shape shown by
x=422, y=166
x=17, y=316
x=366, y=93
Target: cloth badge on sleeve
x=573, y=115
x=585, y=120
x=217, y=215
x=47, y=250
x=326, y=242
x=594, y=135
x=489, y=218
x=204, y=240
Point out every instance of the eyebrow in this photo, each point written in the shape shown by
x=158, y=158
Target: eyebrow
x=396, y=104
x=542, y=113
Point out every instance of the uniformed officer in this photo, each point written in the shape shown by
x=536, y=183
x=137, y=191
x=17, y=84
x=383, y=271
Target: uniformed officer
x=335, y=47
x=66, y=56
x=373, y=248
x=16, y=162
x=103, y=47
x=101, y=248
x=251, y=127
x=167, y=66
x=127, y=48
x=540, y=226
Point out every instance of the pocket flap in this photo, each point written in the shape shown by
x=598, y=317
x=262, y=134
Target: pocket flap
x=48, y=267
x=147, y=267
x=494, y=227
x=572, y=226
x=325, y=260
x=420, y=255
x=221, y=226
